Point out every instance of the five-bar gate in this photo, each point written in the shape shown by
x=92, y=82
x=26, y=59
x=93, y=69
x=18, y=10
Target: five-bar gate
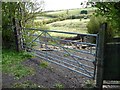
x=77, y=52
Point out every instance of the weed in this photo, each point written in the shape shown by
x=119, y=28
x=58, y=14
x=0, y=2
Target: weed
x=52, y=42
x=89, y=84
x=20, y=71
x=44, y=64
x=26, y=55
x=26, y=84
x=59, y=86
x=66, y=55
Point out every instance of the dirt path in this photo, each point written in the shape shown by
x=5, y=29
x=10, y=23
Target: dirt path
x=46, y=77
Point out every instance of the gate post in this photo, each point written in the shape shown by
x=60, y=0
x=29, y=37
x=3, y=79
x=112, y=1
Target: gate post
x=100, y=56
x=17, y=34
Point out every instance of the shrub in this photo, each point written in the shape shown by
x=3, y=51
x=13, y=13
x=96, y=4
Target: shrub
x=93, y=26
x=84, y=12
x=8, y=38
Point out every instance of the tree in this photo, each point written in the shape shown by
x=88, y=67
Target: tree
x=17, y=13
x=10, y=11
x=30, y=10
x=111, y=11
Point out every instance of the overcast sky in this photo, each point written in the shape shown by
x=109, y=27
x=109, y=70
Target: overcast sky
x=62, y=4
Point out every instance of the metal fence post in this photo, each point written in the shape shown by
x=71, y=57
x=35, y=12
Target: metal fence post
x=100, y=56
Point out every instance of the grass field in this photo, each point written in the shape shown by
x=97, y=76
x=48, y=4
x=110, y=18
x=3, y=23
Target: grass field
x=71, y=25
x=71, y=12
x=68, y=25
x=56, y=14
x=42, y=18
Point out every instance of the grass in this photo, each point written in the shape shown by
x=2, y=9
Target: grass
x=58, y=86
x=26, y=84
x=70, y=12
x=66, y=55
x=42, y=18
x=12, y=63
x=56, y=14
x=73, y=25
x=44, y=64
x=69, y=25
x=89, y=84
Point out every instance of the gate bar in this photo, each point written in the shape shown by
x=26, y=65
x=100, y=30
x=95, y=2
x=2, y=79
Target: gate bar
x=94, y=35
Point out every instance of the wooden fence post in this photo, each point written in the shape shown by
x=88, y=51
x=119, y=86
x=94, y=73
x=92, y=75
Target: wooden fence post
x=100, y=56
x=17, y=35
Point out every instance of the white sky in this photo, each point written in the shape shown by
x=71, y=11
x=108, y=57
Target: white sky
x=62, y=4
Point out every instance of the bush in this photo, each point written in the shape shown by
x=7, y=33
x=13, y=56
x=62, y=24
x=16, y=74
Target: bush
x=8, y=38
x=93, y=26
x=84, y=12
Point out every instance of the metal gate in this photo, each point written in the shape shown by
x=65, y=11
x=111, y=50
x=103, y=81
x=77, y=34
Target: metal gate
x=76, y=52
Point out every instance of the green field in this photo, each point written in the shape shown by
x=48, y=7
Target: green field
x=69, y=25
x=71, y=12
x=72, y=25
x=56, y=14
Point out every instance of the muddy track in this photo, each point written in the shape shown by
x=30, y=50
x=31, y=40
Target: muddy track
x=46, y=77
